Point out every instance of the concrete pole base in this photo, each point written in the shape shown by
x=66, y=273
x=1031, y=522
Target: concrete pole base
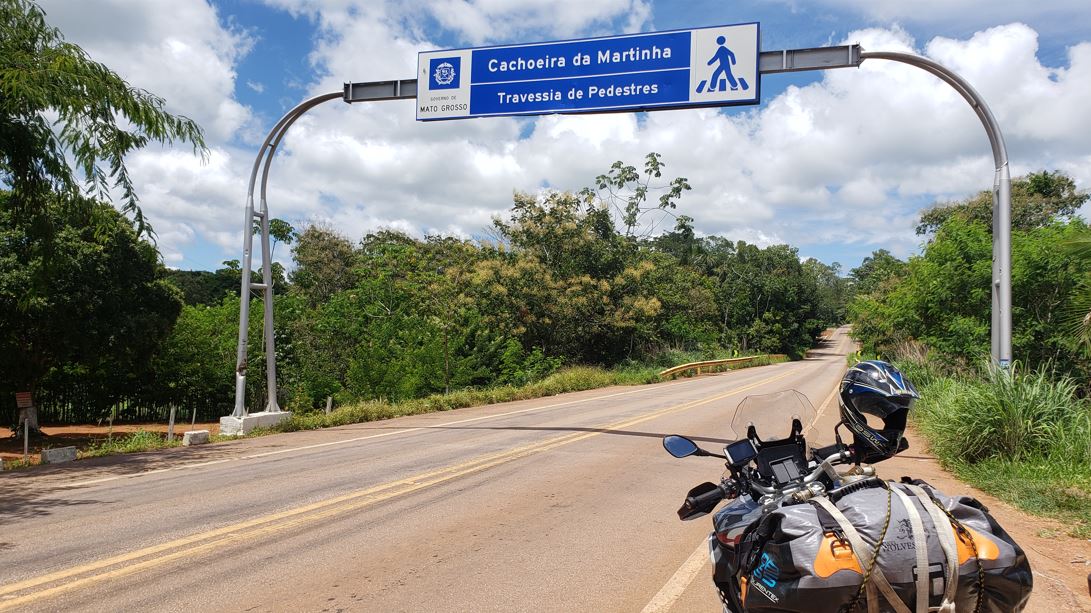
x=237, y=426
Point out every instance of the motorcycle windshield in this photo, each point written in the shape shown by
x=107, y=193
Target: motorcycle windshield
x=771, y=415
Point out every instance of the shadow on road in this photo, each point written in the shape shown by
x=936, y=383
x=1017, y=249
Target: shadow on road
x=16, y=504
x=824, y=348
x=657, y=435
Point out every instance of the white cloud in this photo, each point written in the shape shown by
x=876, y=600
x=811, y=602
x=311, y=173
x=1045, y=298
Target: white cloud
x=1057, y=15
x=177, y=49
x=846, y=160
x=480, y=21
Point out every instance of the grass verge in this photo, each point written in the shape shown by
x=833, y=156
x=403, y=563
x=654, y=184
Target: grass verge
x=141, y=440
x=1024, y=437
x=1054, y=489
x=570, y=379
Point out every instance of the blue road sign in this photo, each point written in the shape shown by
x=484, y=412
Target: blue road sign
x=712, y=66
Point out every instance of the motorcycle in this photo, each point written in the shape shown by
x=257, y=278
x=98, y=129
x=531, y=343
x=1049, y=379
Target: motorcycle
x=761, y=474
x=793, y=562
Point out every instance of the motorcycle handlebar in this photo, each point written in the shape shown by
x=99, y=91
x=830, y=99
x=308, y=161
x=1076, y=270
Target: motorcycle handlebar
x=823, y=453
x=711, y=498
x=834, y=454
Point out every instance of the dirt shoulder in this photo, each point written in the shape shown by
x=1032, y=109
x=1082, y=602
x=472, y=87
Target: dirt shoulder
x=84, y=436
x=1060, y=563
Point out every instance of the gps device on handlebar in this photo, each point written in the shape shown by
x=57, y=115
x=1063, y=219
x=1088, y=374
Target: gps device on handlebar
x=784, y=461
x=740, y=453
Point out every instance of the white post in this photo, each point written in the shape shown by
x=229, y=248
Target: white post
x=170, y=425
x=241, y=363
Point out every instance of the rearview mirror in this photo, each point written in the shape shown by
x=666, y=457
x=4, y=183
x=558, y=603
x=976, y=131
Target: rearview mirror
x=679, y=446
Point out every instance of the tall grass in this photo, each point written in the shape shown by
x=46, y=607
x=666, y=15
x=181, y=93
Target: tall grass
x=1023, y=436
x=1010, y=414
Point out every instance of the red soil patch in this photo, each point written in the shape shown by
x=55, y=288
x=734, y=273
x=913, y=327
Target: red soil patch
x=83, y=436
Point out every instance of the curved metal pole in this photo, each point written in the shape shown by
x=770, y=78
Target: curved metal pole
x=1001, y=277
x=268, y=148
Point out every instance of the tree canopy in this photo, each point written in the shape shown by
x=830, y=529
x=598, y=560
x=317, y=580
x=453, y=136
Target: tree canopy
x=1036, y=200
x=388, y=315
x=942, y=297
x=103, y=313
x=55, y=101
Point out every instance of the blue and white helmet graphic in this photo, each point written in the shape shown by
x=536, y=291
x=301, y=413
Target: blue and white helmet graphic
x=876, y=388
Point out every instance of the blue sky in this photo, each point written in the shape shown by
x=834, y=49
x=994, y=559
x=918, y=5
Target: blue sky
x=836, y=163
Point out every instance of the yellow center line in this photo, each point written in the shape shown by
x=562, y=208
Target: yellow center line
x=306, y=514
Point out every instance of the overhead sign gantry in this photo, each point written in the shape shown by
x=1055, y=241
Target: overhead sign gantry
x=713, y=66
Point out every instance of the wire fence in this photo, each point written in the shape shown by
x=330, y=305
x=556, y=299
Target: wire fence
x=76, y=405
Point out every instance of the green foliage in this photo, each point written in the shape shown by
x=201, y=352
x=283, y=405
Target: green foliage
x=624, y=192
x=832, y=290
x=1051, y=487
x=324, y=264
x=1023, y=436
x=942, y=298
x=1011, y=414
x=878, y=268
x=204, y=287
x=55, y=102
x=570, y=379
x=197, y=360
x=769, y=302
x=103, y=313
x=393, y=318
x=398, y=318
x=1036, y=201
x=141, y=440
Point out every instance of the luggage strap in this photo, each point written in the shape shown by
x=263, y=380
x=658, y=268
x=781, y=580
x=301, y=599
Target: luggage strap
x=941, y=519
x=920, y=545
x=861, y=550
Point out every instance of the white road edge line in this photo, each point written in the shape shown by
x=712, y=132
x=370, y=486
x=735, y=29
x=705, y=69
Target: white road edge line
x=826, y=403
x=353, y=440
x=665, y=598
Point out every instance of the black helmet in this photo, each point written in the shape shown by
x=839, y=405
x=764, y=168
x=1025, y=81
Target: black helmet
x=876, y=388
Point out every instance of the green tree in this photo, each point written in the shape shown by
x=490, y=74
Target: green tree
x=280, y=232
x=833, y=291
x=1036, y=200
x=102, y=315
x=197, y=360
x=944, y=298
x=875, y=270
x=768, y=300
x=206, y=287
x=57, y=104
x=625, y=193
x=681, y=242
x=324, y=264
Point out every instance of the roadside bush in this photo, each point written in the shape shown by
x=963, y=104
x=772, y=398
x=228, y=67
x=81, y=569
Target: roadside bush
x=1011, y=415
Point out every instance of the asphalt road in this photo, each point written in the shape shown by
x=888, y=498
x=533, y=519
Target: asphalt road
x=564, y=503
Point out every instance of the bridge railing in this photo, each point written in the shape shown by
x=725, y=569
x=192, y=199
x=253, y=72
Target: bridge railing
x=713, y=365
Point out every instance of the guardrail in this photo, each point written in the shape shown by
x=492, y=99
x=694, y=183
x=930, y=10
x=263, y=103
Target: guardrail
x=713, y=364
